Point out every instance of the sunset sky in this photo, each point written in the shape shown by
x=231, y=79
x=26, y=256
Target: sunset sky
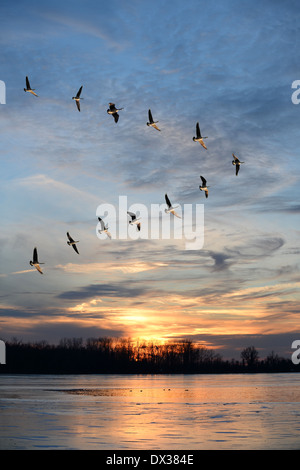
x=227, y=64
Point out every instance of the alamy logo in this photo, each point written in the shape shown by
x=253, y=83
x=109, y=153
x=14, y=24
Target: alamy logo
x=295, y=95
x=296, y=354
x=2, y=92
x=158, y=222
x=2, y=352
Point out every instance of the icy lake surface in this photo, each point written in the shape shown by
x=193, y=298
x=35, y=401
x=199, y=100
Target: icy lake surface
x=174, y=412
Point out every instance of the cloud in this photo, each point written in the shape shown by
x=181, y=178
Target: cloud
x=230, y=346
x=38, y=181
x=130, y=267
x=103, y=290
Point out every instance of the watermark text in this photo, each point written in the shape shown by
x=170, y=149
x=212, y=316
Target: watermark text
x=154, y=223
x=2, y=92
x=2, y=352
x=296, y=94
x=296, y=354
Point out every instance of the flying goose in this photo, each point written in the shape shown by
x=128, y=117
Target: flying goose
x=134, y=220
x=72, y=242
x=77, y=98
x=151, y=122
x=170, y=207
x=199, y=137
x=35, y=261
x=28, y=88
x=237, y=164
x=104, y=228
x=113, y=111
x=204, y=187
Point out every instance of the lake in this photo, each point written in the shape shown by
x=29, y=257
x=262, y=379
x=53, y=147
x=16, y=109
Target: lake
x=173, y=412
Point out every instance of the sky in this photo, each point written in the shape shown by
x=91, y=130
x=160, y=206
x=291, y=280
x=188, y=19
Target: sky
x=228, y=65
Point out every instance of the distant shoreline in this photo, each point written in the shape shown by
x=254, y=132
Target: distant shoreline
x=121, y=356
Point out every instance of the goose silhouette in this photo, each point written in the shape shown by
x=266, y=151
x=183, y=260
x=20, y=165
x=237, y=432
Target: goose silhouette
x=114, y=111
x=77, y=98
x=171, y=209
x=35, y=261
x=199, y=137
x=28, y=88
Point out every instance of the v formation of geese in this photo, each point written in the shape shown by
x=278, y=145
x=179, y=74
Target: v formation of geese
x=113, y=111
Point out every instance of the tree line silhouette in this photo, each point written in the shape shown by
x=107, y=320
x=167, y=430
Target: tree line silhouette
x=121, y=355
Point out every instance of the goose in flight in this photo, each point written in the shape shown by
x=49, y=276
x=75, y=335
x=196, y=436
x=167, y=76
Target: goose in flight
x=28, y=88
x=134, y=221
x=170, y=209
x=199, y=137
x=77, y=98
x=237, y=163
x=113, y=111
x=72, y=242
x=35, y=261
x=104, y=228
x=151, y=122
x=204, y=186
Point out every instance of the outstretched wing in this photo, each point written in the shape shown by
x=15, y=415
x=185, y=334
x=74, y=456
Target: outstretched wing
x=78, y=105
x=69, y=237
x=198, y=133
x=237, y=168
x=35, y=256
x=101, y=223
x=150, y=116
x=132, y=215
x=235, y=158
x=168, y=200
x=79, y=91
x=175, y=213
x=203, y=180
x=38, y=268
x=75, y=248
x=116, y=117
x=27, y=83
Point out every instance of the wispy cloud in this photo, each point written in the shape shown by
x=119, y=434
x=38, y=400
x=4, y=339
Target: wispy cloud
x=129, y=266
